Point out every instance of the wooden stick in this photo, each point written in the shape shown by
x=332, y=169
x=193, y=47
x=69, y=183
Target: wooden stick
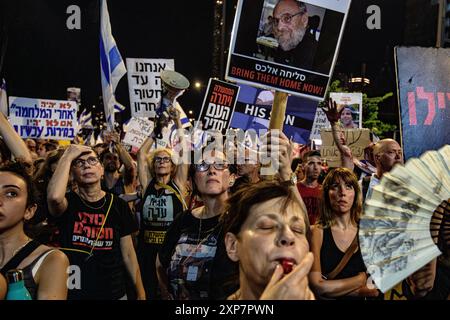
x=278, y=110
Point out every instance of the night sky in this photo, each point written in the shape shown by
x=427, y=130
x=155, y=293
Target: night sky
x=43, y=57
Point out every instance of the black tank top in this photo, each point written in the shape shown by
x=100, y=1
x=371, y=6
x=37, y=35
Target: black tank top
x=330, y=256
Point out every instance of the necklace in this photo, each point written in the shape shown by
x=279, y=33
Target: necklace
x=94, y=208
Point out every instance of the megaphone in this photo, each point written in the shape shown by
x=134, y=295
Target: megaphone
x=173, y=85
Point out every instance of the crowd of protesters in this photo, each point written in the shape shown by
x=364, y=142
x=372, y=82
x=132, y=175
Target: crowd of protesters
x=96, y=222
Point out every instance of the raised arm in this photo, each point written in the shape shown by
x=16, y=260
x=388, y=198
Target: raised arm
x=126, y=159
x=56, y=191
x=284, y=165
x=333, y=116
x=183, y=166
x=143, y=170
x=13, y=141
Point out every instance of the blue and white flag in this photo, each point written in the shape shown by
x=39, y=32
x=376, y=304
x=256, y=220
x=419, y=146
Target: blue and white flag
x=85, y=120
x=111, y=65
x=3, y=98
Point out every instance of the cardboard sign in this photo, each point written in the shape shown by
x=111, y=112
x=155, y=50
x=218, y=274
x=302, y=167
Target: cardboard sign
x=356, y=139
x=299, y=62
x=144, y=84
x=424, y=95
x=218, y=105
x=43, y=118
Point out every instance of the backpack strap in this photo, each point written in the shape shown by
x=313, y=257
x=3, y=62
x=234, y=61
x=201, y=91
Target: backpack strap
x=20, y=256
x=347, y=255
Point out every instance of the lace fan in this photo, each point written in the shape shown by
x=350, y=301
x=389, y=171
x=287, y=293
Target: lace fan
x=406, y=222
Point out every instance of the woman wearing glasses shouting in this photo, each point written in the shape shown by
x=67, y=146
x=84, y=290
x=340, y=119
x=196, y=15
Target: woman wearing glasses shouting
x=192, y=263
x=164, y=185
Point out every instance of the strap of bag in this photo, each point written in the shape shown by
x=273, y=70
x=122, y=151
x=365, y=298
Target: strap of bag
x=347, y=255
x=20, y=256
x=176, y=192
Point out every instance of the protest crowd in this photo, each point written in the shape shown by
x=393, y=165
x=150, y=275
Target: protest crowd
x=189, y=218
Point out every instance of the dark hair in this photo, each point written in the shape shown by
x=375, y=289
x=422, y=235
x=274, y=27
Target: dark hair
x=50, y=146
x=105, y=152
x=295, y=163
x=326, y=218
x=240, y=203
x=22, y=169
x=5, y=153
x=312, y=153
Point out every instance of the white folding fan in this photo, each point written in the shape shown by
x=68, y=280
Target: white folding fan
x=407, y=218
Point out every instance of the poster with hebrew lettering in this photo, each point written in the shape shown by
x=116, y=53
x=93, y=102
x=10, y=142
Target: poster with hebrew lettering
x=144, y=84
x=424, y=97
x=289, y=46
x=43, y=118
x=253, y=108
x=218, y=105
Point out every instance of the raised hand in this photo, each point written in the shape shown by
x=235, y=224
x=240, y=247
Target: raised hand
x=332, y=112
x=76, y=150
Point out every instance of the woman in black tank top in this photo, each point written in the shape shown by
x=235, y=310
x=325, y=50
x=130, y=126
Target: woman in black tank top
x=48, y=280
x=335, y=273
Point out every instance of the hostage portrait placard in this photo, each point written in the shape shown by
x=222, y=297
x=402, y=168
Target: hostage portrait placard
x=290, y=48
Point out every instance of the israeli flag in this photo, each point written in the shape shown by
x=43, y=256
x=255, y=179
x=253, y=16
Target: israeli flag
x=111, y=65
x=85, y=120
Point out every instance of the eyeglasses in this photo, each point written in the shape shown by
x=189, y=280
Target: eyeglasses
x=92, y=161
x=286, y=18
x=162, y=159
x=202, y=167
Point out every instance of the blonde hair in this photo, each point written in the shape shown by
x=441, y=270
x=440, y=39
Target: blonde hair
x=151, y=161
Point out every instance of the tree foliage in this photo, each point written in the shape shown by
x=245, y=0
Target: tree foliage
x=370, y=110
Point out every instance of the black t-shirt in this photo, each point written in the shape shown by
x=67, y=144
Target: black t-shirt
x=102, y=274
x=196, y=261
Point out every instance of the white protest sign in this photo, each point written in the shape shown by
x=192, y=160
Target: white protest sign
x=320, y=122
x=138, y=129
x=145, y=84
x=43, y=118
